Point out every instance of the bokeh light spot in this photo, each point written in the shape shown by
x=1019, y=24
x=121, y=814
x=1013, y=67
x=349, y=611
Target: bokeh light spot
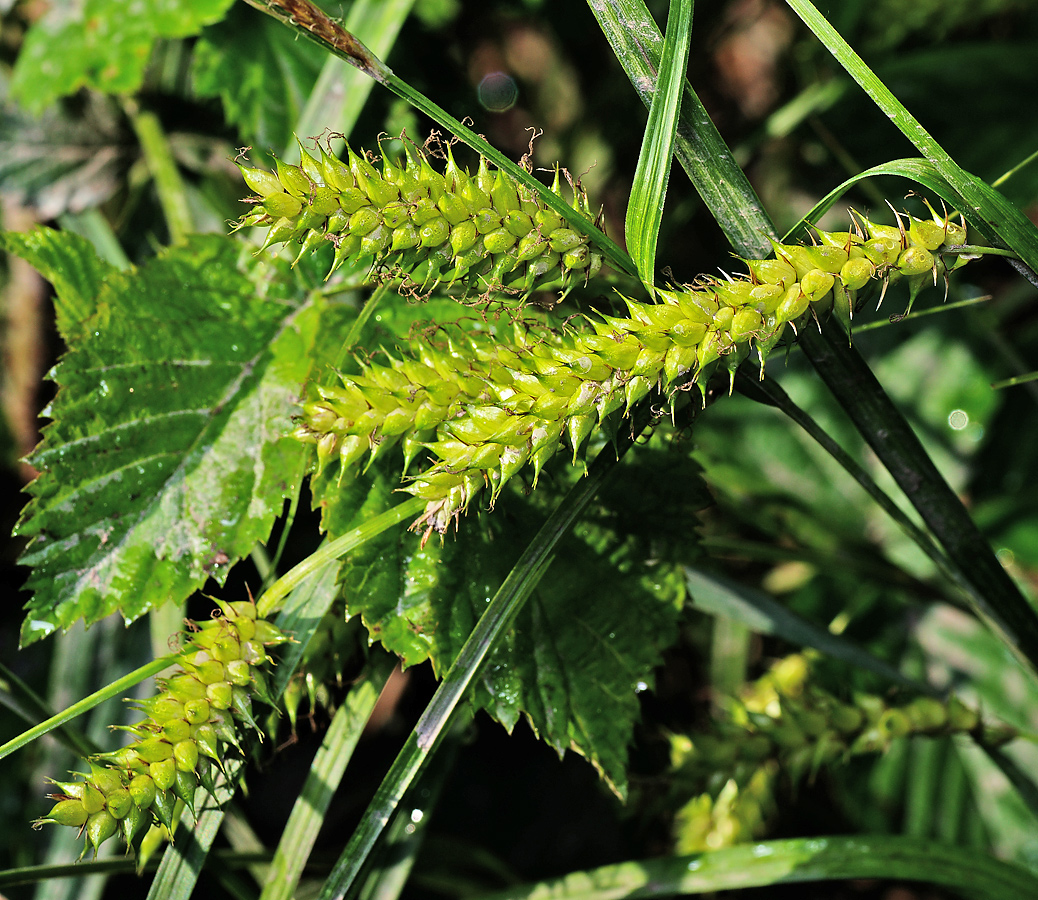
x=498, y=91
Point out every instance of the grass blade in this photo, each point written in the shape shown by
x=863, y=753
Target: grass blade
x=718, y=596
x=984, y=207
x=969, y=874
x=327, y=770
x=632, y=33
x=649, y=190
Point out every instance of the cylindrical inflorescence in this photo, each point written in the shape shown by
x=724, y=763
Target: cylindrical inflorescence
x=484, y=232
x=485, y=408
x=782, y=723
x=180, y=745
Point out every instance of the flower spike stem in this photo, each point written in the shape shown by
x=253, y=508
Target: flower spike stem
x=993, y=595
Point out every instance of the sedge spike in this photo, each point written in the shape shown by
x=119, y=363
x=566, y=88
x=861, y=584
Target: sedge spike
x=182, y=739
x=784, y=724
x=484, y=408
x=484, y=232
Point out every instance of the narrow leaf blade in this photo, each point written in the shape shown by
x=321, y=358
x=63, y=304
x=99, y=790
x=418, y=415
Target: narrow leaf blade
x=996, y=217
x=649, y=191
x=969, y=874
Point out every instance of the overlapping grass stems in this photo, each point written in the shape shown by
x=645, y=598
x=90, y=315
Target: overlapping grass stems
x=785, y=723
x=483, y=407
x=182, y=742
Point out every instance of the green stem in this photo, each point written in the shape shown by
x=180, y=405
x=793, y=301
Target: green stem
x=993, y=596
x=117, y=687
x=21, y=699
x=124, y=865
x=333, y=550
x=358, y=325
x=163, y=167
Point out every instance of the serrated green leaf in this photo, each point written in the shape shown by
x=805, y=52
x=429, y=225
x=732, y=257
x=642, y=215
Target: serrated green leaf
x=649, y=190
x=265, y=90
x=100, y=44
x=70, y=263
x=169, y=454
x=579, y=652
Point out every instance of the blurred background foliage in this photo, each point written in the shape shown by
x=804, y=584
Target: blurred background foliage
x=771, y=512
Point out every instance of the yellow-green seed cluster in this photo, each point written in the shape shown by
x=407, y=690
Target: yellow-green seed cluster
x=484, y=408
x=784, y=723
x=484, y=232
x=180, y=745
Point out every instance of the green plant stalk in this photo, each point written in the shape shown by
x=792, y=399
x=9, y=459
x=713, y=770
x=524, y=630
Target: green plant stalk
x=327, y=770
x=168, y=183
x=120, y=686
x=333, y=550
x=118, y=865
x=649, y=188
x=22, y=700
x=971, y=875
x=994, y=597
x=311, y=23
x=494, y=621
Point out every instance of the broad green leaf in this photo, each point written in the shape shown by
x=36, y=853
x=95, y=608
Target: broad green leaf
x=168, y=455
x=101, y=44
x=494, y=622
x=966, y=873
x=263, y=90
x=649, y=189
x=579, y=652
x=71, y=264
